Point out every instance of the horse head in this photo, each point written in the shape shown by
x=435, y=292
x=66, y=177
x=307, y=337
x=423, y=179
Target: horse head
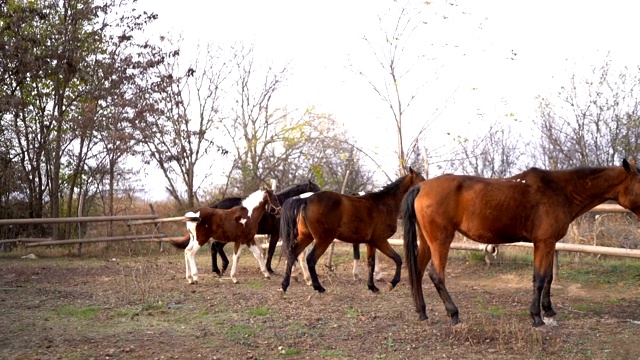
x=413, y=178
x=272, y=204
x=629, y=195
x=312, y=187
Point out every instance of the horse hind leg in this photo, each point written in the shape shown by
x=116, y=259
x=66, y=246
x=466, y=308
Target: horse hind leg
x=371, y=262
x=257, y=253
x=302, y=262
x=356, y=258
x=312, y=259
x=190, y=262
x=273, y=243
x=386, y=249
x=440, y=252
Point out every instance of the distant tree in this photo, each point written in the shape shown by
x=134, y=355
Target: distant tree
x=55, y=54
x=593, y=121
x=500, y=152
x=183, y=117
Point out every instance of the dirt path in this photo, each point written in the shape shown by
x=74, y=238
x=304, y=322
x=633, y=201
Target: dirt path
x=142, y=308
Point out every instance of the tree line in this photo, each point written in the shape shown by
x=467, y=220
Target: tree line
x=86, y=101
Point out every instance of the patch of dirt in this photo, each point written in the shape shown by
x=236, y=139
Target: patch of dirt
x=142, y=308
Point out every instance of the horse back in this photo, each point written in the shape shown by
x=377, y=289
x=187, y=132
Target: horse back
x=348, y=218
x=485, y=210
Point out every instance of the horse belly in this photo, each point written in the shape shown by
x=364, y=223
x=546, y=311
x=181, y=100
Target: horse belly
x=498, y=229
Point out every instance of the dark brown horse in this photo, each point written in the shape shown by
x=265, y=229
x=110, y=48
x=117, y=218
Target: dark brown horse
x=238, y=225
x=269, y=224
x=326, y=215
x=535, y=206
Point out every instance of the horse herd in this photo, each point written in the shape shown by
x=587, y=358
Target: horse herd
x=535, y=206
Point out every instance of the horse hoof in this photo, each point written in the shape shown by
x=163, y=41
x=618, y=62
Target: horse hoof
x=280, y=294
x=390, y=287
x=356, y=277
x=374, y=289
x=423, y=317
x=309, y=283
x=235, y=281
x=270, y=271
x=267, y=276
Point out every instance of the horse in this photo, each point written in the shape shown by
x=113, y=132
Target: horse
x=535, y=206
x=238, y=224
x=326, y=215
x=268, y=225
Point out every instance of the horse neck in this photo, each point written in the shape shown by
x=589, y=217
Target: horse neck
x=257, y=212
x=591, y=187
x=392, y=196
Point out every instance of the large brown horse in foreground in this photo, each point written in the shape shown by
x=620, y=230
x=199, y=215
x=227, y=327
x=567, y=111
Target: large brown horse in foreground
x=238, y=225
x=369, y=219
x=535, y=206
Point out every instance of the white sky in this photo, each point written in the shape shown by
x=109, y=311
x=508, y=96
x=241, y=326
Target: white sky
x=469, y=72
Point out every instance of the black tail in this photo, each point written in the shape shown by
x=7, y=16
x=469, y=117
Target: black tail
x=182, y=243
x=411, y=242
x=289, y=224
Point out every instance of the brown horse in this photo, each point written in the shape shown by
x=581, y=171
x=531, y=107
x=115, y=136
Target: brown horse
x=535, y=206
x=326, y=215
x=238, y=224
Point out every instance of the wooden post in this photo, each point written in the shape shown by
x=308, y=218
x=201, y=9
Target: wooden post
x=80, y=209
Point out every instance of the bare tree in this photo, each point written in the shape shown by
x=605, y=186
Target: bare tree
x=499, y=153
x=181, y=129
x=594, y=121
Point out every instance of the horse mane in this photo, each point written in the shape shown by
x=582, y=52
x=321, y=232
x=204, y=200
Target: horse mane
x=298, y=188
x=390, y=188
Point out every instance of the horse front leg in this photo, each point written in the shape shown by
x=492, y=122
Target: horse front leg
x=542, y=278
x=257, y=253
x=234, y=267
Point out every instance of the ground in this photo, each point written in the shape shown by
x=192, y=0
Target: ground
x=141, y=307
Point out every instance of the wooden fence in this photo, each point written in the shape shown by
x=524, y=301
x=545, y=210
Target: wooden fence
x=133, y=220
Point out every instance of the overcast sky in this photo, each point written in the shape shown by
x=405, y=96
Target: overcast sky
x=485, y=59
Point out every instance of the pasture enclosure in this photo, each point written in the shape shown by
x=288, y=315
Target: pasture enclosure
x=124, y=305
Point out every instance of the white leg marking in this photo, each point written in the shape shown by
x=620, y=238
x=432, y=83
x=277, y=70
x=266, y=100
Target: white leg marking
x=192, y=260
x=234, y=267
x=258, y=255
x=355, y=269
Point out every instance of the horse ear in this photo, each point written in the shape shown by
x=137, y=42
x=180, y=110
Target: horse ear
x=411, y=171
x=629, y=167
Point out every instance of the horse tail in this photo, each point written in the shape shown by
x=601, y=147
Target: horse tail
x=289, y=223
x=182, y=243
x=411, y=241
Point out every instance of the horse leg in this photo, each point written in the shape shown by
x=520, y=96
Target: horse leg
x=424, y=256
x=234, y=267
x=386, y=249
x=214, y=257
x=542, y=278
x=303, y=267
x=296, y=252
x=190, y=262
x=273, y=243
x=440, y=252
x=312, y=259
x=223, y=256
x=356, y=258
x=257, y=253
x=371, y=261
